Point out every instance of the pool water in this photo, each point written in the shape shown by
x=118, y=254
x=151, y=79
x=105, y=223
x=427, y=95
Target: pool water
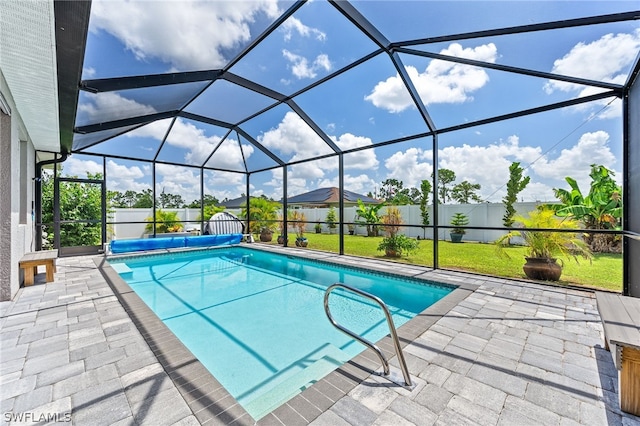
x=256, y=320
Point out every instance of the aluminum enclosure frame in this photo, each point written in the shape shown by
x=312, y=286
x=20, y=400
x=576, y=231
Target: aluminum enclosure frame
x=70, y=65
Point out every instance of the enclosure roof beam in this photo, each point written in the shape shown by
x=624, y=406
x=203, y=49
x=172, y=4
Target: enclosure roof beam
x=567, y=23
x=151, y=80
x=357, y=19
x=125, y=122
x=517, y=70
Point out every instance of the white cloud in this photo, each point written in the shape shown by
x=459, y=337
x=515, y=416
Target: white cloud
x=361, y=183
x=293, y=137
x=296, y=140
x=607, y=59
x=301, y=68
x=489, y=165
x=186, y=34
x=183, y=181
x=592, y=148
x=363, y=160
x=123, y=178
x=119, y=177
x=197, y=145
x=75, y=166
x=410, y=166
x=293, y=24
x=441, y=82
x=108, y=106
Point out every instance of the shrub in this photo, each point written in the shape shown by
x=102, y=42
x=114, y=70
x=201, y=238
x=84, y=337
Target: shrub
x=165, y=222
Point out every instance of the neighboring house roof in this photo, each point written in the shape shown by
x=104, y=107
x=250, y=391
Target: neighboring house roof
x=236, y=203
x=329, y=196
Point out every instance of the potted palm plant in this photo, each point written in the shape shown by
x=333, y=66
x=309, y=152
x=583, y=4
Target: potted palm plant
x=282, y=239
x=262, y=215
x=544, y=247
x=456, y=233
x=299, y=222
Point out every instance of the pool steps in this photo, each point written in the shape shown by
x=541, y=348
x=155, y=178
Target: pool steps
x=122, y=269
x=331, y=358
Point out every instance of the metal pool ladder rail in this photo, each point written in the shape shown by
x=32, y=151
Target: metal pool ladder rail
x=392, y=330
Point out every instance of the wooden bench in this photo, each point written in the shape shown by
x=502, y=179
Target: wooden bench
x=621, y=321
x=31, y=261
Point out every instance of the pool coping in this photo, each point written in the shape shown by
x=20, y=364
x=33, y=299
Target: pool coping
x=211, y=402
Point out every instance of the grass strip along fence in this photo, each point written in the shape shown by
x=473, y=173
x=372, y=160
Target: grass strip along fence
x=603, y=272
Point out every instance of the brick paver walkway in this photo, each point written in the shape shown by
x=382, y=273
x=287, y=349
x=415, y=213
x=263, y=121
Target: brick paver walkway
x=511, y=353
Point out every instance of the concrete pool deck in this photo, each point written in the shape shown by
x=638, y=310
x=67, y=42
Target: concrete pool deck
x=508, y=353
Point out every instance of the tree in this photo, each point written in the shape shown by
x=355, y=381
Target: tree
x=425, y=188
x=262, y=214
x=445, y=178
x=465, y=191
x=393, y=192
x=415, y=195
x=515, y=185
x=115, y=199
x=78, y=201
x=331, y=219
x=165, y=222
x=167, y=200
x=389, y=188
x=129, y=198
x=601, y=208
x=210, y=210
x=207, y=200
x=144, y=199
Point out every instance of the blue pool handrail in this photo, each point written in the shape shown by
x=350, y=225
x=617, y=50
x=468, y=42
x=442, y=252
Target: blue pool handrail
x=392, y=330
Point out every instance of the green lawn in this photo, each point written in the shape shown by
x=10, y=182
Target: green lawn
x=604, y=272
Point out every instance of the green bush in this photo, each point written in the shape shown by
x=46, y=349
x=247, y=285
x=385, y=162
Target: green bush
x=165, y=222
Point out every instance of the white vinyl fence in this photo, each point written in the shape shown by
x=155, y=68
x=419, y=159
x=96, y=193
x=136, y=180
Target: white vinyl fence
x=484, y=214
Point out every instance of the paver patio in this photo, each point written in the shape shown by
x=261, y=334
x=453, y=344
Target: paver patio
x=511, y=353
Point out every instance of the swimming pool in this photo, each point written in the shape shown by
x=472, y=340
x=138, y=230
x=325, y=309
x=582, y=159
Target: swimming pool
x=256, y=320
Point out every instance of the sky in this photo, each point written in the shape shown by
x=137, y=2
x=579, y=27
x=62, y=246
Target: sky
x=364, y=106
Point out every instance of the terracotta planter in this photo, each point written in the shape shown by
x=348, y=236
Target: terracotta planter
x=302, y=242
x=266, y=236
x=281, y=239
x=392, y=252
x=543, y=269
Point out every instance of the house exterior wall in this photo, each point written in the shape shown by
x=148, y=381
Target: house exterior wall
x=16, y=230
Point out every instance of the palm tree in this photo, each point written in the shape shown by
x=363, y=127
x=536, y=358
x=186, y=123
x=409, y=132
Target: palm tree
x=262, y=214
x=165, y=222
x=367, y=215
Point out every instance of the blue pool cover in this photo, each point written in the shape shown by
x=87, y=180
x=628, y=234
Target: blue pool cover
x=144, y=244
